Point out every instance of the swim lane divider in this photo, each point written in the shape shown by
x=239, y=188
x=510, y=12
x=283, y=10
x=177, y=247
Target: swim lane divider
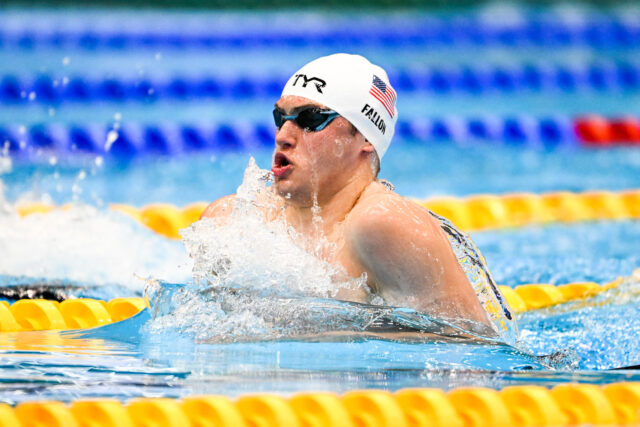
x=80, y=313
x=472, y=213
x=132, y=139
x=84, y=313
x=562, y=405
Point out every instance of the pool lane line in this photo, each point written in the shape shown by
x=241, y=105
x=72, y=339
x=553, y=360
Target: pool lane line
x=84, y=313
x=132, y=139
x=470, y=213
x=528, y=78
x=523, y=30
x=569, y=404
x=77, y=313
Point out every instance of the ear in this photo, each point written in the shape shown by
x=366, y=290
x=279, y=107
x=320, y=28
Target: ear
x=367, y=147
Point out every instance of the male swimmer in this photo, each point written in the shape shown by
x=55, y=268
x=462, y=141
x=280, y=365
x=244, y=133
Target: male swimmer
x=335, y=120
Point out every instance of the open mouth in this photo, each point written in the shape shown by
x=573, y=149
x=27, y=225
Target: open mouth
x=281, y=165
x=280, y=160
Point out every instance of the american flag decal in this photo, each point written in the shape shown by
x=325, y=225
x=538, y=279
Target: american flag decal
x=383, y=93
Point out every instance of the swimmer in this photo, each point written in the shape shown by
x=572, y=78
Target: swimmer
x=335, y=120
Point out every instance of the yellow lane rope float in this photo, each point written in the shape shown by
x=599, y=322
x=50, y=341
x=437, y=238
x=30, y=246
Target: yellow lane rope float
x=473, y=213
x=80, y=313
x=528, y=405
x=83, y=313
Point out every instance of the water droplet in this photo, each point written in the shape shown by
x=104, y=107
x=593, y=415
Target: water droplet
x=158, y=56
x=99, y=161
x=52, y=112
x=112, y=136
x=53, y=160
x=65, y=60
x=117, y=116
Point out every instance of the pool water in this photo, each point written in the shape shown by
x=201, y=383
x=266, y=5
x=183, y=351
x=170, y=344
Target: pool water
x=90, y=251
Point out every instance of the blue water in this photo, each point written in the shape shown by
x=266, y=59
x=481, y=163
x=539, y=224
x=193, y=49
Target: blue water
x=126, y=360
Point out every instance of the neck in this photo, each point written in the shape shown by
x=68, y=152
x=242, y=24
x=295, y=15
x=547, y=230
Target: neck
x=330, y=211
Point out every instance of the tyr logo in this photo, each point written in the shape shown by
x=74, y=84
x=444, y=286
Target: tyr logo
x=319, y=82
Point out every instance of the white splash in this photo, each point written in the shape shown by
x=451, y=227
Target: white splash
x=89, y=246
x=249, y=251
x=253, y=276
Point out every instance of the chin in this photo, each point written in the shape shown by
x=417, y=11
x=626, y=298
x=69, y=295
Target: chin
x=293, y=194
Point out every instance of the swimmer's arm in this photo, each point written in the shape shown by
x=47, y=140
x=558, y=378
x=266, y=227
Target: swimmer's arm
x=220, y=209
x=410, y=262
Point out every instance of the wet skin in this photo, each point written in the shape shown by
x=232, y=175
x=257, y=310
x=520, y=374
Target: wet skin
x=371, y=230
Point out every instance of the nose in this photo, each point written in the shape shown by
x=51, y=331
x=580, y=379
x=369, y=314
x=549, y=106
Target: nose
x=287, y=135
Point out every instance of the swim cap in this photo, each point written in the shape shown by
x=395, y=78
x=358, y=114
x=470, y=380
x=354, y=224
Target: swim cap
x=353, y=87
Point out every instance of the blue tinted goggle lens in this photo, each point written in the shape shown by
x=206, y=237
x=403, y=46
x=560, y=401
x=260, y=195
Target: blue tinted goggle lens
x=313, y=119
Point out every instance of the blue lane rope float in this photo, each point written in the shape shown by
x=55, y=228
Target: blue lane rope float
x=624, y=76
x=134, y=139
x=553, y=29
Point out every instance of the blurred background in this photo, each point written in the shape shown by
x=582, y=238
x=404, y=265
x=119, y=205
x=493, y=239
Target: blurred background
x=139, y=104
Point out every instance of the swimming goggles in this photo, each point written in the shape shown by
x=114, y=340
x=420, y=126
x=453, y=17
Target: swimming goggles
x=313, y=119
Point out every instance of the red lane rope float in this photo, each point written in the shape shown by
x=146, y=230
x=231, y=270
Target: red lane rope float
x=599, y=131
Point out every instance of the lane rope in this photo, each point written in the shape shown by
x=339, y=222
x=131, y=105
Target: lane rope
x=471, y=213
x=51, y=89
x=131, y=139
x=84, y=313
x=550, y=29
x=563, y=405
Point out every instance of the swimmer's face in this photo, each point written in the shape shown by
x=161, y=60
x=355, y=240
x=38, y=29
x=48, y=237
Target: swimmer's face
x=310, y=165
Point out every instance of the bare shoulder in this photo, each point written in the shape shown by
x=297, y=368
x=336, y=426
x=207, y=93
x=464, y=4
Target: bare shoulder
x=220, y=208
x=381, y=211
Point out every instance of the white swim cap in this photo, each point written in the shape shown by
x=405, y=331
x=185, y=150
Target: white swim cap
x=353, y=87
